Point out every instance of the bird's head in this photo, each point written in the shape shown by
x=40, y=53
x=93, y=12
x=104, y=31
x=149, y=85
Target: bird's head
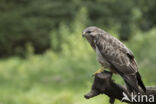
x=91, y=32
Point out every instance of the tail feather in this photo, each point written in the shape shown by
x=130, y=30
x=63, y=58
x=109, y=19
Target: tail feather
x=131, y=82
x=140, y=82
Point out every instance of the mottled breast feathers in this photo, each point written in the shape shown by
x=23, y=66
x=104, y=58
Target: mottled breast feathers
x=117, y=53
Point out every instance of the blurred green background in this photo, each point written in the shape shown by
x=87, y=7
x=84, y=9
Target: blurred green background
x=45, y=60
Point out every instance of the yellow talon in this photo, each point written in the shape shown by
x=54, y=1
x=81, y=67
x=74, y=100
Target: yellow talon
x=99, y=71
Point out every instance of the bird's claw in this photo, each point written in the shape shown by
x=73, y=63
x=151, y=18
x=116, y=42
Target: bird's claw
x=98, y=71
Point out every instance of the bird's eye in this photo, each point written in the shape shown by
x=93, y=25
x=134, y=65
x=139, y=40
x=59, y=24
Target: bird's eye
x=89, y=32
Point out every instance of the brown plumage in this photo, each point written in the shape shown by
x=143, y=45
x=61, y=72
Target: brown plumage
x=114, y=55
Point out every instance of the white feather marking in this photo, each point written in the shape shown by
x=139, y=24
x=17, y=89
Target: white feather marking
x=103, y=45
x=100, y=58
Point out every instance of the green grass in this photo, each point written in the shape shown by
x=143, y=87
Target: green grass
x=47, y=79
x=38, y=80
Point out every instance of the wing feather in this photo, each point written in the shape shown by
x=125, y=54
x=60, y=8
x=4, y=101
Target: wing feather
x=117, y=53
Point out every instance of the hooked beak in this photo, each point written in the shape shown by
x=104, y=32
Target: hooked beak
x=83, y=34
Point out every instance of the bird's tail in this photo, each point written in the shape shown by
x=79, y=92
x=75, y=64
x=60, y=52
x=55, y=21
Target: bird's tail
x=140, y=82
x=131, y=83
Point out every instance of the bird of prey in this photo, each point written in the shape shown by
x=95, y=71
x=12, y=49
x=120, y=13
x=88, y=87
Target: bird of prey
x=115, y=56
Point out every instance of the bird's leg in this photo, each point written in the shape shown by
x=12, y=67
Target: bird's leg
x=99, y=71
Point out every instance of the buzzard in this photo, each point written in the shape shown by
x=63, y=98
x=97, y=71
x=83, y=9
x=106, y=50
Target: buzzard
x=114, y=55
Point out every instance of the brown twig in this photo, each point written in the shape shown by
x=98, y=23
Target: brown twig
x=103, y=84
